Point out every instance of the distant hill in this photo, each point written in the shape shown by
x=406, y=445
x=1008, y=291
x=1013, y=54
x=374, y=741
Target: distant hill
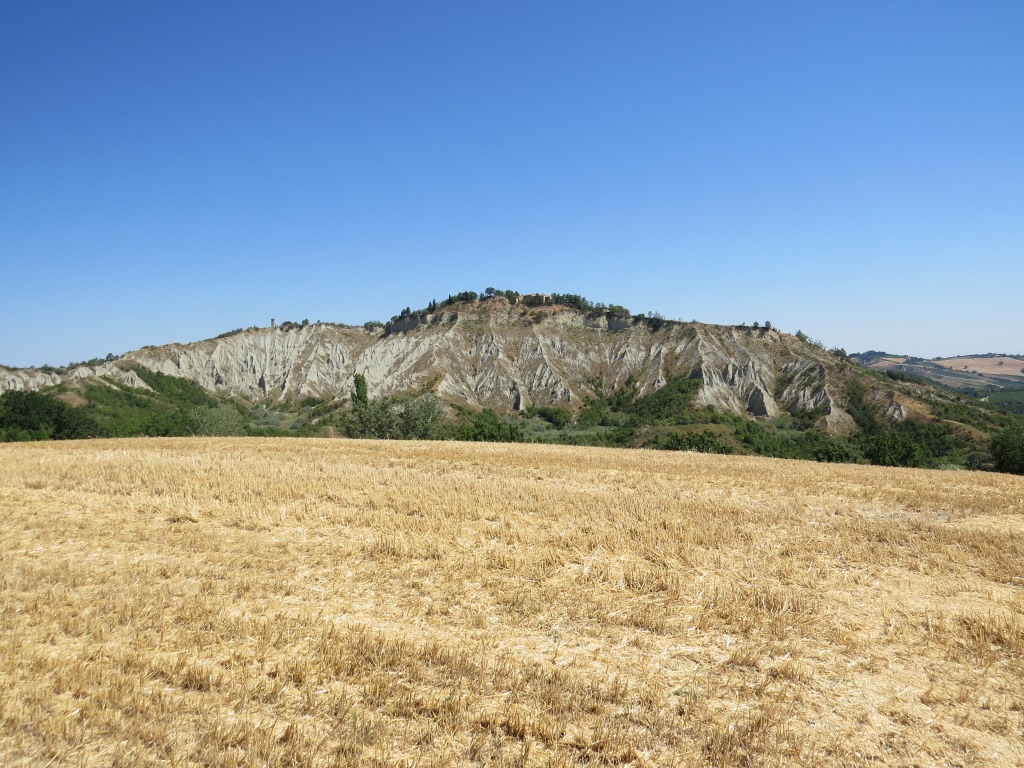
x=544, y=367
x=496, y=354
x=979, y=374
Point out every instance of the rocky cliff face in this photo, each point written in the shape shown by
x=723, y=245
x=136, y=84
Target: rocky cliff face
x=491, y=354
x=33, y=378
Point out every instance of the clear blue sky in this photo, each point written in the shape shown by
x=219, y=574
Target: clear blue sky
x=169, y=171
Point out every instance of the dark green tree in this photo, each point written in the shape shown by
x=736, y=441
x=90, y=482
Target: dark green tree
x=704, y=441
x=222, y=420
x=893, y=448
x=487, y=426
x=360, y=396
x=1007, y=448
x=421, y=418
x=834, y=450
x=35, y=416
x=378, y=420
x=559, y=418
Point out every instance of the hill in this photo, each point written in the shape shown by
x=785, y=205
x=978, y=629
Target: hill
x=311, y=602
x=491, y=354
x=555, y=369
x=978, y=374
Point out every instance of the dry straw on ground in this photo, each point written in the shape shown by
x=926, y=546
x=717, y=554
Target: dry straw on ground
x=265, y=603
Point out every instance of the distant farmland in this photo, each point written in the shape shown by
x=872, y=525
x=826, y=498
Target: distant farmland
x=311, y=602
x=991, y=365
x=985, y=372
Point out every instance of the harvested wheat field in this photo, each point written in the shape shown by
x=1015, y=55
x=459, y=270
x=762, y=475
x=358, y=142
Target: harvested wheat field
x=248, y=602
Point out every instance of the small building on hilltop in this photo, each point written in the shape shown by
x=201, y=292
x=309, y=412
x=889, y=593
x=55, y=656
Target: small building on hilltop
x=534, y=299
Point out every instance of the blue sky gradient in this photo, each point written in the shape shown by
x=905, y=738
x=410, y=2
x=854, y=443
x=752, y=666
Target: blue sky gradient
x=169, y=171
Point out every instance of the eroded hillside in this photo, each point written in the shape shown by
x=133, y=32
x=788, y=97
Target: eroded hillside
x=493, y=354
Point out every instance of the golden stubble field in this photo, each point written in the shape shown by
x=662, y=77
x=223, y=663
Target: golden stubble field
x=250, y=602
